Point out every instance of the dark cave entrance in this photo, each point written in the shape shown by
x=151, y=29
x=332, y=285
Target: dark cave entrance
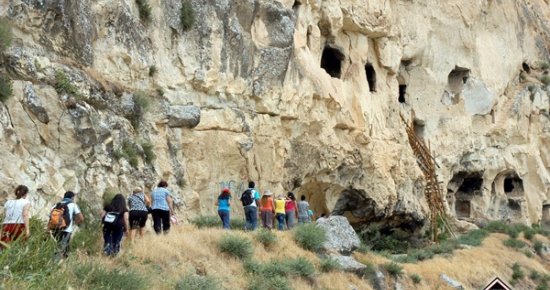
x=371, y=77
x=513, y=186
x=402, y=91
x=466, y=186
x=331, y=61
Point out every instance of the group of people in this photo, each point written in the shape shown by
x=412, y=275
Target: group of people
x=284, y=208
x=120, y=217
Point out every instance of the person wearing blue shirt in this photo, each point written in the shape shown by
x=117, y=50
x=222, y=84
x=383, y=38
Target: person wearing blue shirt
x=251, y=210
x=162, y=208
x=223, y=203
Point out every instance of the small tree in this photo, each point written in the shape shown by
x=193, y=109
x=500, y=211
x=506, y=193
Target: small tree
x=187, y=15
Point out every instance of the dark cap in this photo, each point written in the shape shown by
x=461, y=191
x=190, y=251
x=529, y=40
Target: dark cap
x=69, y=194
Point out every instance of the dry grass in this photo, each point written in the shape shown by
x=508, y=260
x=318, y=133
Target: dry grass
x=187, y=250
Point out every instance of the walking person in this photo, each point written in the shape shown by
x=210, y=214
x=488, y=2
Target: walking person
x=116, y=223
x=291, y=214
x=223, y=203
x=280, y=211
x=250, y=199
x=16, y=217
x=138, y=203
x=63, y=236
x=267, y=209
x=162, y=208
x=303, y=210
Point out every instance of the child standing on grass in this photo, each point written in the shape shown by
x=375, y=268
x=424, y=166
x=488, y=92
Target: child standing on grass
x=223, y=203
x=16, y=217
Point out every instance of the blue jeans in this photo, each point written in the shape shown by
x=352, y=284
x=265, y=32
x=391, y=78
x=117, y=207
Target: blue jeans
x=281, y=219
x=224, y=215
x=251, y=215
x=111, y=244
x=63, y=243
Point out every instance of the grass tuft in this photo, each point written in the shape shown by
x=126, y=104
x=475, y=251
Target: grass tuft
x=266, y=238
x=301, y=267
x=96, y=276
x=64, y=85
x=148, y=151
x=207, y=221
x=6, y=90
x=195, y=282
x=416, y=278
x=329, y=264
x=395, y=270
x=6, y=36
x=517, y=272
x=187, y=16
x=236, y=246
x=144, y=10
x=310, y=236
x=153, y=70
x=513, y=243
x=473, y=237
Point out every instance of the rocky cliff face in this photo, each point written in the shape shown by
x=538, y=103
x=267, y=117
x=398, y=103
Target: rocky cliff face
x=299, y=96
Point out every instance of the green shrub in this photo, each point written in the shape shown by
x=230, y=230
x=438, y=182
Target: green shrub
x=236, y=246
x=538, y=245
x=545, y=80
x=370, y=273
x=513, y=243
x=535, y=275
x=148, y=151
x=473, y=237
x=518, y=273
x=446, y=247
x=422, y=254
x=142, y=101
x=363, y=249
x=6, y=90
x=405, y=259
x=6, y=36
x=416, y=278
x=273, y=268
x=543, y=285
x=498, y=227
x=544, y=65
x=144, y=10
x=329, y=264
x=269, y=283
x=310, y=236
x=529, y=234
x=187, y=16
x=160, y=91
x=395, y=270
x=195, y=282
x=118, y=153
x=97, y=276
x=153, y=70
x=64, y=85
x=265, y=237
x=300, y=266
x=237, y=223
x=207, y=221
x=385, y=254
x=521, y=227
x=528, y=253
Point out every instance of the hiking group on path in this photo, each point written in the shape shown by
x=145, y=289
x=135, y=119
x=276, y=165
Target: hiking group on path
x=284, y=208
x=124, y=217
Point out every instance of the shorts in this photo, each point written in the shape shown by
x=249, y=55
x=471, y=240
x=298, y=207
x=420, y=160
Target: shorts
x=138, y=218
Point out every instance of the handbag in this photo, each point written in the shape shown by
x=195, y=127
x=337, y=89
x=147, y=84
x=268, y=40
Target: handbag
x=149, y=209
x=174, y=220
x=110, y=217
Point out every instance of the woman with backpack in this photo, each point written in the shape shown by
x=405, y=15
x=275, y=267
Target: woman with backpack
x=115, y=224
x=223, y=203
x=139, y=204
x=16, y=216
x=267, y=208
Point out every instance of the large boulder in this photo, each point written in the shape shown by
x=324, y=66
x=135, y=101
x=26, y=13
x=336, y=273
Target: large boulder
x=340, y=235
x=184, y=116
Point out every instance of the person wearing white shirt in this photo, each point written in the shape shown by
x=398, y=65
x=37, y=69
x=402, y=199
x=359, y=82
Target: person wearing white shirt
x=16, y=217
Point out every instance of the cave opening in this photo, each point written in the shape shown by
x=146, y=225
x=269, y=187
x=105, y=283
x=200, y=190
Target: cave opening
x=402, y=91
x=331, y=61
x=371, y=77
x=526, y=68
x=457, y=78
x=513, y=185
x=466, y=186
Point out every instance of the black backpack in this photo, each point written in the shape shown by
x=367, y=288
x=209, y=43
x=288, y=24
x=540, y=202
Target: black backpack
x=247, y=198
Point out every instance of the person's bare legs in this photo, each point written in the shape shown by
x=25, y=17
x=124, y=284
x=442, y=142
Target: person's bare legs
x=141, y=232
x=132, y=235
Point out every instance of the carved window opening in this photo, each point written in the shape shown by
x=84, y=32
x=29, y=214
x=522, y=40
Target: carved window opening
x=513, y=186
x=526, y=68
x=331, y=61
x=467, y=187
x=371, y=77
x=402, y=89
x=296, y=4
x=457, y=78
x=546, y=213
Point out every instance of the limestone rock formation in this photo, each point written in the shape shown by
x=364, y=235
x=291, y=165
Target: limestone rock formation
x=349, y=264
x=340, y=235
x=299, y=96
